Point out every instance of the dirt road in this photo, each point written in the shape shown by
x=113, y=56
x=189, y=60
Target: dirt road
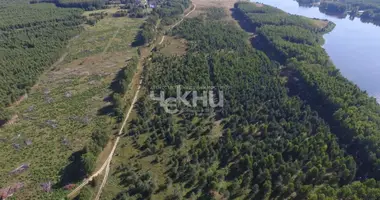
x=129, y=111
x=194, y=7
x=106, y=164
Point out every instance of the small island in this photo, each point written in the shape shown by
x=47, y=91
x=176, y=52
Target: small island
x=367, y=11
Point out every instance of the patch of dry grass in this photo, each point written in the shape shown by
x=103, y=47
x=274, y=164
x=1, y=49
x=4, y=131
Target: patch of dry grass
x=320, y=23
x=173, y=46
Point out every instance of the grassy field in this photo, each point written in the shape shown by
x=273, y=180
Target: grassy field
x=107, y=36
x=173, y=46
x=65, y=107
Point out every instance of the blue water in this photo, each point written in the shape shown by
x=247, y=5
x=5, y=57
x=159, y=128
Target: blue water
x=353, y=46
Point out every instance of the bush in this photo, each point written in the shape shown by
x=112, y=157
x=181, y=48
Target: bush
x=100, y=138
x=85, y=194
x=4, y=115
x=93, y=148
x=89, y=161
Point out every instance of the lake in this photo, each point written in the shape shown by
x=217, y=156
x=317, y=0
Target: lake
x=353, y=46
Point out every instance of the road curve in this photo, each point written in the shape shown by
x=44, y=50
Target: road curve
x=162, y=40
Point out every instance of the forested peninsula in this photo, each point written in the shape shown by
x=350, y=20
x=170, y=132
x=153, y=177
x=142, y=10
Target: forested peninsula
x=351, y=114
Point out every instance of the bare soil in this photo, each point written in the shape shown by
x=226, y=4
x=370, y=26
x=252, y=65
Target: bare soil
x=321, y=23
x=203, y=5
x=215, y=3
x=12, y=120
x=259, y=5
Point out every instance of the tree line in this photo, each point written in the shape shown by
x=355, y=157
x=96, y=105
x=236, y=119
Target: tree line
x=370, y=8
x=352, y=115
x=271, y=145
x=83, y=4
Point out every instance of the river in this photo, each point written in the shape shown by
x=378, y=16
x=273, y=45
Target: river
x=353, y=46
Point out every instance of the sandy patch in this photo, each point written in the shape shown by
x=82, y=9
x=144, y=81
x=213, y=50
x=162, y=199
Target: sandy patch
x=320, y=23
x=259, y=5
x=202, y=5
x=215, y=3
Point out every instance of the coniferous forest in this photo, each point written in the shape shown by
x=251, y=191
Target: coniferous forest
x=32, y=37
x=353, y=115
x=291, y=126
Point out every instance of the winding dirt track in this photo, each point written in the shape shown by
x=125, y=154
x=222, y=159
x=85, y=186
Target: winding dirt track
x=108, y=161
x=106, y=164
x=194, y=7
x=129, y=111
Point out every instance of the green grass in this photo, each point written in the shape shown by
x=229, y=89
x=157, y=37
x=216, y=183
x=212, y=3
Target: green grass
x=121, y=31
x=86, y=77
x=173, y=46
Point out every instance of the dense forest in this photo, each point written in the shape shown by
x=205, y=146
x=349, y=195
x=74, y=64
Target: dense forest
x=307, y=2
x=83, y=4
x=352, y=115
x=370, y=9
x=273, y=142
x=333, y=8
x=31, y=39
x=256, y=16
x=284, y=36
x=364, y=4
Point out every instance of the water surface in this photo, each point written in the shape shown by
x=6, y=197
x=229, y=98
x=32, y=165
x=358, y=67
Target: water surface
x=353, y=46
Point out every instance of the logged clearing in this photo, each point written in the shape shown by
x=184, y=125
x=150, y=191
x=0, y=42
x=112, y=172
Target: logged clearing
x=61, y=112
x=215, y=3
x=203, y=5
x=173, y=46
x=321, y=23
x=109, y=11
x=112, y=34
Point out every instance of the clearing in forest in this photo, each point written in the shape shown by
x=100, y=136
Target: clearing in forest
x=321, y=23
x=173, y=46
x=57, y=119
